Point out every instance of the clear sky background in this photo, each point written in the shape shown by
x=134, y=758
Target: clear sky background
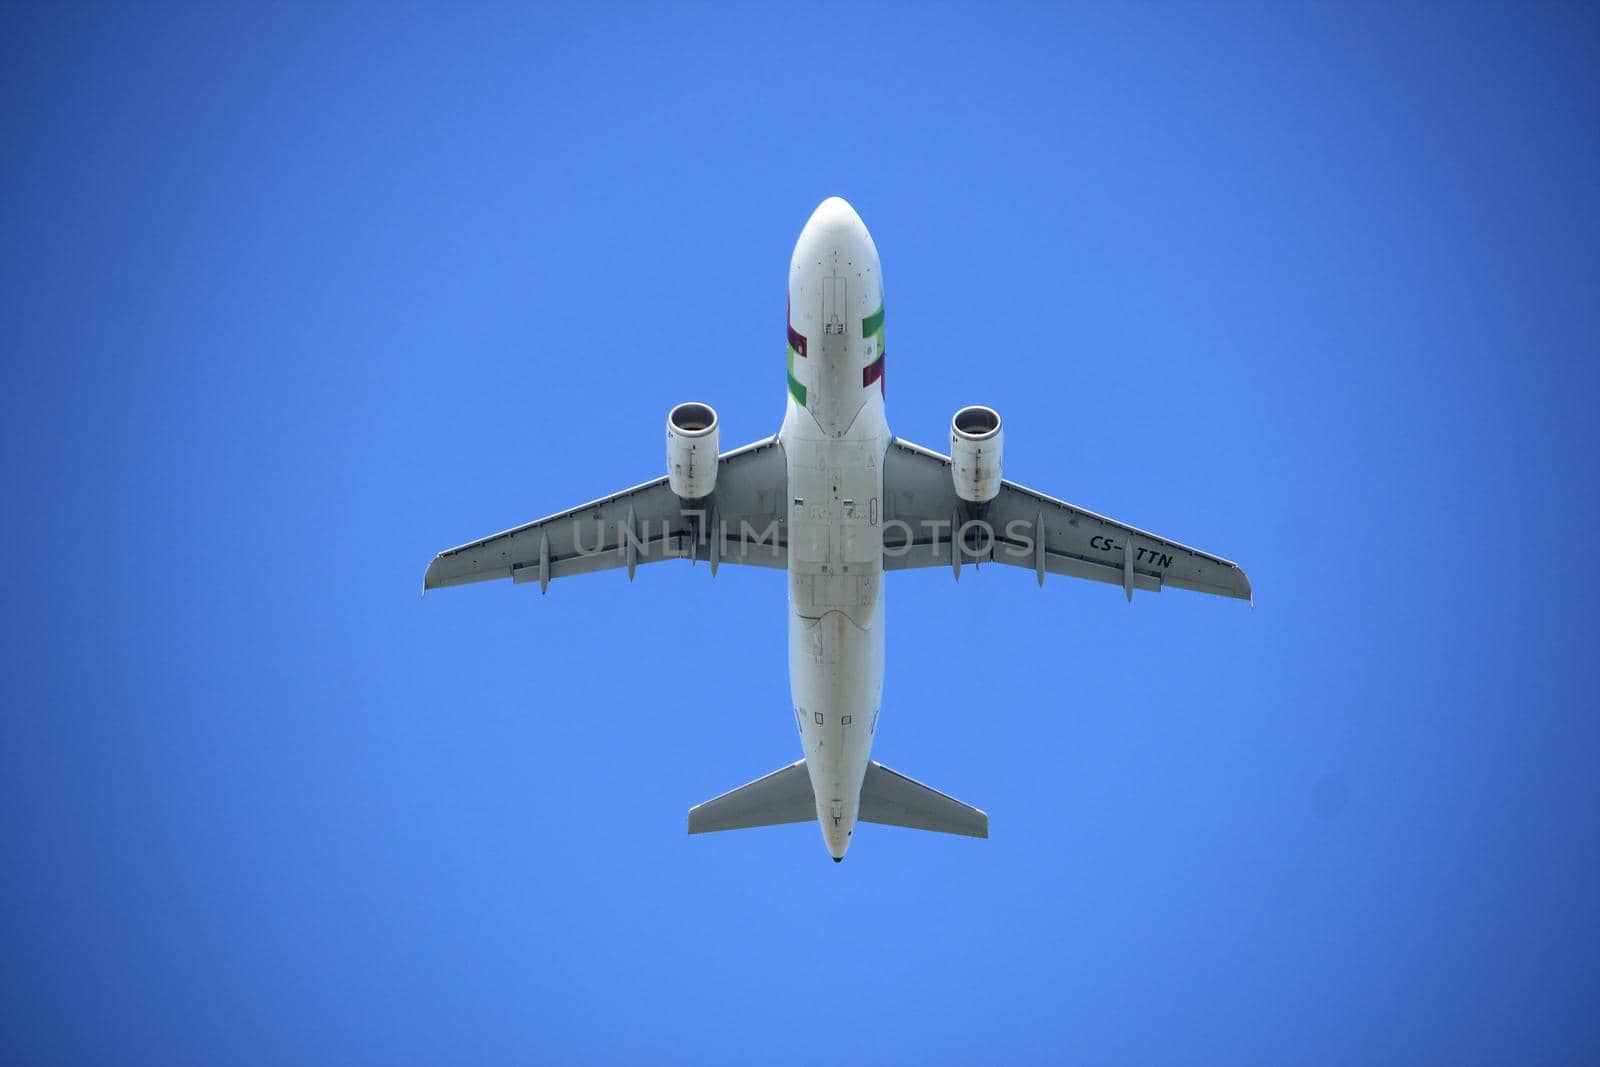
x=293, y=297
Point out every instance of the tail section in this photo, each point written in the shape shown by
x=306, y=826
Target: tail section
x=783, y=796
x=887, y=797
x=891, y=798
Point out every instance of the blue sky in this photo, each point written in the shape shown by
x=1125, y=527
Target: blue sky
x=294, y=296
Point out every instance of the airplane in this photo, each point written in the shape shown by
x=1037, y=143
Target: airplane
x=838, y=501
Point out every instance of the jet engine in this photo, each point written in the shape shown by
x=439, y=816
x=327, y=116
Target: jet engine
x=976, y=443
x=692, y=451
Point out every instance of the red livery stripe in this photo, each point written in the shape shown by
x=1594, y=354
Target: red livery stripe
x=873, y=372
x=797, y=340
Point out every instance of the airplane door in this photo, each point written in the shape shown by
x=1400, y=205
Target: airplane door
x=835, y=392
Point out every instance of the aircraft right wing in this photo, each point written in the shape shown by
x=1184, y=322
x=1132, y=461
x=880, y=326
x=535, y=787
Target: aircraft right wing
x=1026, y=528
x=645, y=524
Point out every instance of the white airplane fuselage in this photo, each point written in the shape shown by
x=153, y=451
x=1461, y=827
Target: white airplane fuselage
x=834, y=438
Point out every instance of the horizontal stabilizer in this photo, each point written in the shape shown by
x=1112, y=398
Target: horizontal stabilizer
x=891, y=798
x=784, y=796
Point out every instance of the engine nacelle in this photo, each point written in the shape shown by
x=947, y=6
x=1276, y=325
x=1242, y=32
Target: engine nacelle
x=692, y=436
x=977, y=442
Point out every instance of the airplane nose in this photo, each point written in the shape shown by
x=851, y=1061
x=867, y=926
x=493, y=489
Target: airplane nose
x=835, y=215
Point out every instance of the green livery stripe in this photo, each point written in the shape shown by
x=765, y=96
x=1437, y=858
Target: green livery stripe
x=796, y=389
x=872, y=323
x=872, y=326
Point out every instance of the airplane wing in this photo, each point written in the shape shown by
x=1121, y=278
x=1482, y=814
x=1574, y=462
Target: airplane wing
x=645, y=524
x=1024, y=528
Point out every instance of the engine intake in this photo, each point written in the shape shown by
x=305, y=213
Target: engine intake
x=692, y=439
x=977, y=443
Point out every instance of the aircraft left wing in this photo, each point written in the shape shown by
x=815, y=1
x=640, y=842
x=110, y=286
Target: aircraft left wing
x=1025, y=528
x=645, y=524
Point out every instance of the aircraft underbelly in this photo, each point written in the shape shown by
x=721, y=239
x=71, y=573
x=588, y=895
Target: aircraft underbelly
x=836, y=616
